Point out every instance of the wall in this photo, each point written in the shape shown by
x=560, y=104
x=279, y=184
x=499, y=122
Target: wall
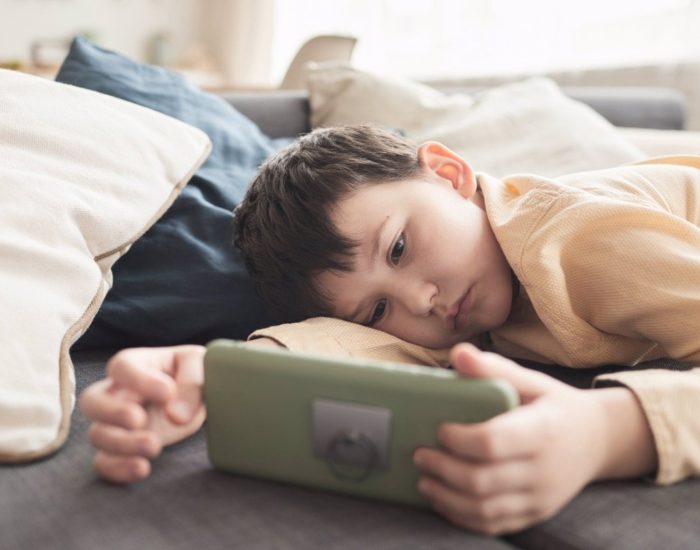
x=239, y=34
x=123, y=25
x=442, y=39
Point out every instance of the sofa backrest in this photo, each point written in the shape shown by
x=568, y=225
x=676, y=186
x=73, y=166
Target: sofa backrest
x=285, y=113
x=279, y=113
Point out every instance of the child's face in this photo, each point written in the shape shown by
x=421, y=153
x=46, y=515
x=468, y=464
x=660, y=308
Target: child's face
x=429, y=269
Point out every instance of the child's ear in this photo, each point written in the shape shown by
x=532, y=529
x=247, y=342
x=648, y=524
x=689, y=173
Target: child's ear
x=448, y=165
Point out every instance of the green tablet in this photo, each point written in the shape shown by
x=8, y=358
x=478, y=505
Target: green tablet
x=347, y=425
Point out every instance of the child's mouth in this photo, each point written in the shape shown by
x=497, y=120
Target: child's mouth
x=463, y=309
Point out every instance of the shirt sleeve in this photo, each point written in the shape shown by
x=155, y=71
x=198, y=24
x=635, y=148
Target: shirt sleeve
x=645, y=284
x=632, y=267
x=338, y=337
x=671, y=402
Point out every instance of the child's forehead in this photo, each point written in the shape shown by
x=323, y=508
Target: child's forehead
x=373, y=190
x=354, y=214
x=361, y=211
x=374, y=198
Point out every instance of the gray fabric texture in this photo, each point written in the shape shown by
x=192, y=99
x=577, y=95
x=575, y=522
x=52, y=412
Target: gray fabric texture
x=278, y=114
x=635, y=107
x=60, y=503
x=617, y=515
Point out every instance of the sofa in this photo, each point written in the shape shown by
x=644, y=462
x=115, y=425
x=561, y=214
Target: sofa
x=59, y=502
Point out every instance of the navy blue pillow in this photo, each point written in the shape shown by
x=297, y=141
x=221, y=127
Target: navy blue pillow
x=182, y=281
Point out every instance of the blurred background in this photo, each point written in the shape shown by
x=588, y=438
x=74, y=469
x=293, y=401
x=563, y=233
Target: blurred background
x=251, y=43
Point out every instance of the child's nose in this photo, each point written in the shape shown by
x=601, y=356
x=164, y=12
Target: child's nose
x=419, y=298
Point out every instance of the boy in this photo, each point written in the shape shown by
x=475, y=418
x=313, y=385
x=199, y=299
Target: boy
x=359, y=225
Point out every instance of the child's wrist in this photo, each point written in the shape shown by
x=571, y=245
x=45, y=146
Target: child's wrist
x=629, y=449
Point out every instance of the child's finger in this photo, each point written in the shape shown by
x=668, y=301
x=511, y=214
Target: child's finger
x=100, y=405
x=511, y=435
x=143, y=371
x=469, y=361
x=118, y=441
x=189, y=378
x=477, y=479
x=121, y=469
x=479, y=514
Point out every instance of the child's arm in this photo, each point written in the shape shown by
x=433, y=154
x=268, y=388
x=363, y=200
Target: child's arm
x=151, y=398
x=523, y=466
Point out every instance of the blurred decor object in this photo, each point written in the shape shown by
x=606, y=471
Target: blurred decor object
x=160, y=44
x=49, y=53
x=199, y=67
x=319, y=48
x=12, y=64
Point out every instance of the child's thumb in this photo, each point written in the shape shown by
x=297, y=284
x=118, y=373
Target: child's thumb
x=184, y=407
x=471, y=362
x=189, y=378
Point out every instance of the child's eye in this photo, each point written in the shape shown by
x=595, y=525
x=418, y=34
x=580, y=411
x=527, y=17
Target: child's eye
x=378, y=312
x=398, y=249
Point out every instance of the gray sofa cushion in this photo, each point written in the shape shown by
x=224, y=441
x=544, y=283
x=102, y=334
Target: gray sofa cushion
x=283, y=113
x=60, y=503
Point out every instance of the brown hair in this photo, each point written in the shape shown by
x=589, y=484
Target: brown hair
x=283, y=224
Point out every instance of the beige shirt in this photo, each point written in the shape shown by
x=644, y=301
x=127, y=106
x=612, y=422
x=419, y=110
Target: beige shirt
x=609, y=267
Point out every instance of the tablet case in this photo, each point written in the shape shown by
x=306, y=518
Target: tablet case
x=347, y=425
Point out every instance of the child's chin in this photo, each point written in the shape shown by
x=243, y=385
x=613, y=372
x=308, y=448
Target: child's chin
x=498, y=315
x=455, y=339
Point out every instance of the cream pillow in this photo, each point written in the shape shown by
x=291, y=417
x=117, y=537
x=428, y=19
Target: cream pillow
x=660, y=143
x=82, y=176
x=529, y=126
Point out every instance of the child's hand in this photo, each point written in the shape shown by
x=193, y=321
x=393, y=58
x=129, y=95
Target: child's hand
x=152, y=397
x=523, y=466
